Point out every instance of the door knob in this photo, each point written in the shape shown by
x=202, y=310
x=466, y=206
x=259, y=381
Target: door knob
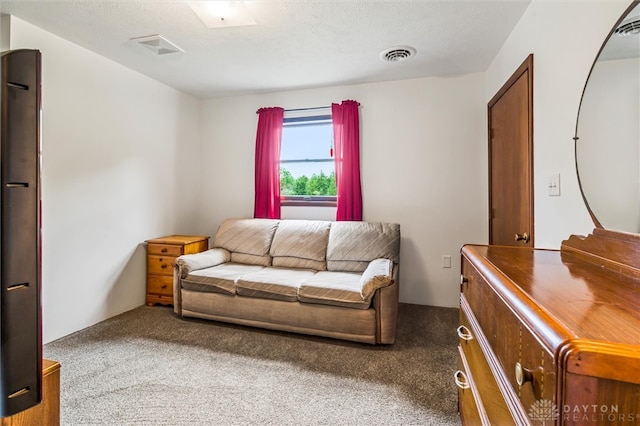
x=522, y=237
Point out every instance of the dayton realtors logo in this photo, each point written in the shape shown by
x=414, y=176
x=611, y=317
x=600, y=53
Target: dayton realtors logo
x=544, y=410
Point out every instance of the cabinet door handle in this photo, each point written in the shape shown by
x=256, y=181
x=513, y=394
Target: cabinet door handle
x=461, y=379
x=522, y=237
x=464, y=333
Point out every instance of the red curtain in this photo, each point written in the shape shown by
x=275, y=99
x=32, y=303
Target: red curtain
x=267, y=174
x=346, y=140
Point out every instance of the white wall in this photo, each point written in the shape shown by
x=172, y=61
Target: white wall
x=423, y=165
x=565, y=37
x=117, y=168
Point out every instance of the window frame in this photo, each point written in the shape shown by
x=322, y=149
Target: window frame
x=307, y=119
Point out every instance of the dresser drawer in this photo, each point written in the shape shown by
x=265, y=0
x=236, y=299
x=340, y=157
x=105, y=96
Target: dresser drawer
x=165, y=249
x=469, y=404
x=160, y=265
x=471, y=343
x=160, y=284
x=527, y=368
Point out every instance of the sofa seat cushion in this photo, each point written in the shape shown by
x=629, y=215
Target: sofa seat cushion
x=273, y=283
x=301, y=244
x=333, y=288
x=218, y=279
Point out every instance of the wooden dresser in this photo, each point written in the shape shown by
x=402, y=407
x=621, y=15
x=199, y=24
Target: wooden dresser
x=161, y=254
x=547, y=337
x=47, y=413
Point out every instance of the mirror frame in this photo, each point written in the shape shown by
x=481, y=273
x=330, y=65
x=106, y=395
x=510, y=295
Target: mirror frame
x=576, y=138
x=615, y=251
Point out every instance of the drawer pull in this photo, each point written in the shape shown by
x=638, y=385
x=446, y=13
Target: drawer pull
x=164, y=250
x=523, y=375
x=164, y=266
x=464, y=333
x=164, y=286
x=463, y=280
x=461, y=379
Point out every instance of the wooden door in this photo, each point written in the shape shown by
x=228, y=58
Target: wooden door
x=510, y=116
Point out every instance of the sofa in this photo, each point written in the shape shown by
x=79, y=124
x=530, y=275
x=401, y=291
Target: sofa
x=331, y=279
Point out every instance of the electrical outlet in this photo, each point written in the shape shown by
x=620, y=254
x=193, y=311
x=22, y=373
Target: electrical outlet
x=446, y=261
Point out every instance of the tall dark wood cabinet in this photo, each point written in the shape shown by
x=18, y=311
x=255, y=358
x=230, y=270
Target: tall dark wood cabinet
x=20, y=313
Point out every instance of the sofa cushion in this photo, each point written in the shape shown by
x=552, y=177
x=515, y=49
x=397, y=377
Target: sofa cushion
x=378, y=274
x=218, y=279
x=352, y=245
x=273, y=283
x=250, y=259
x=333, y=288
x=250, y=237
x=301, y=244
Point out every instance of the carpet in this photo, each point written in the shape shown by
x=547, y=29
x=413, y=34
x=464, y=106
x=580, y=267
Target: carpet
x=149, y=367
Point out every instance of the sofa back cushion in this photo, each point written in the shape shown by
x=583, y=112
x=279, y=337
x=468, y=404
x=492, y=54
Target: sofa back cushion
x=248, y=240
x=301, y=244
x=352, y=245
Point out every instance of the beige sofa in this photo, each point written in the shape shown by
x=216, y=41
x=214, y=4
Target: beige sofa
x=333, y=279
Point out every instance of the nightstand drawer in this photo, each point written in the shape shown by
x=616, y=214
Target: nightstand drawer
x=159, y=284
x=164, y=249
x=160, y=265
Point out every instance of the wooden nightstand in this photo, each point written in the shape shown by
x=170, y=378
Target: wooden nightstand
x=161, y=254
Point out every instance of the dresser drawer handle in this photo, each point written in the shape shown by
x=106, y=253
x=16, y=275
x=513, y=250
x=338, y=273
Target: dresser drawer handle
x=164, y=286
x=164, y=250
x=463, y=280
x=164, y=266
x=523, y=375
x=464, y=333
x=461, y=379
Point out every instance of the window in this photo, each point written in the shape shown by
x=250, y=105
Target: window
x=307, y=167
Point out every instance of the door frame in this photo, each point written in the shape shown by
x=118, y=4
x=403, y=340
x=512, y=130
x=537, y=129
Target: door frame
x=525, y=67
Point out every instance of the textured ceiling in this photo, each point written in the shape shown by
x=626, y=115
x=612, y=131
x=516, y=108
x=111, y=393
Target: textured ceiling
x=295, y=44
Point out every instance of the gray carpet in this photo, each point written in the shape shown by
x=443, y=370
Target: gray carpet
x=148, y=367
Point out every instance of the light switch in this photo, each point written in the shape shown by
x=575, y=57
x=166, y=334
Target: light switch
x=446, y=261
x=554, y=185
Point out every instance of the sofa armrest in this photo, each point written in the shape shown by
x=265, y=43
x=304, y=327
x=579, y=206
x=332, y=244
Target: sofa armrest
x=206, y=259
x=379, y=273
x=192, y=262
x=385, y=302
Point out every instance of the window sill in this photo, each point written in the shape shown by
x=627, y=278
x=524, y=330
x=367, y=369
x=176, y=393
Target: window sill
x=301, y=201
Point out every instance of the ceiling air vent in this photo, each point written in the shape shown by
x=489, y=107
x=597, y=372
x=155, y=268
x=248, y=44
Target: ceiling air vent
x=629, y=28
x=397, y=53
x=157, y=44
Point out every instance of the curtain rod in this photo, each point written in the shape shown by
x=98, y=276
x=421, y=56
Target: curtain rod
x=303, y=109
x=308, y=109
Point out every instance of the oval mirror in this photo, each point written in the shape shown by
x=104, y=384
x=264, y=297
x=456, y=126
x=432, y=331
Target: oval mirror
x=608, y=130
